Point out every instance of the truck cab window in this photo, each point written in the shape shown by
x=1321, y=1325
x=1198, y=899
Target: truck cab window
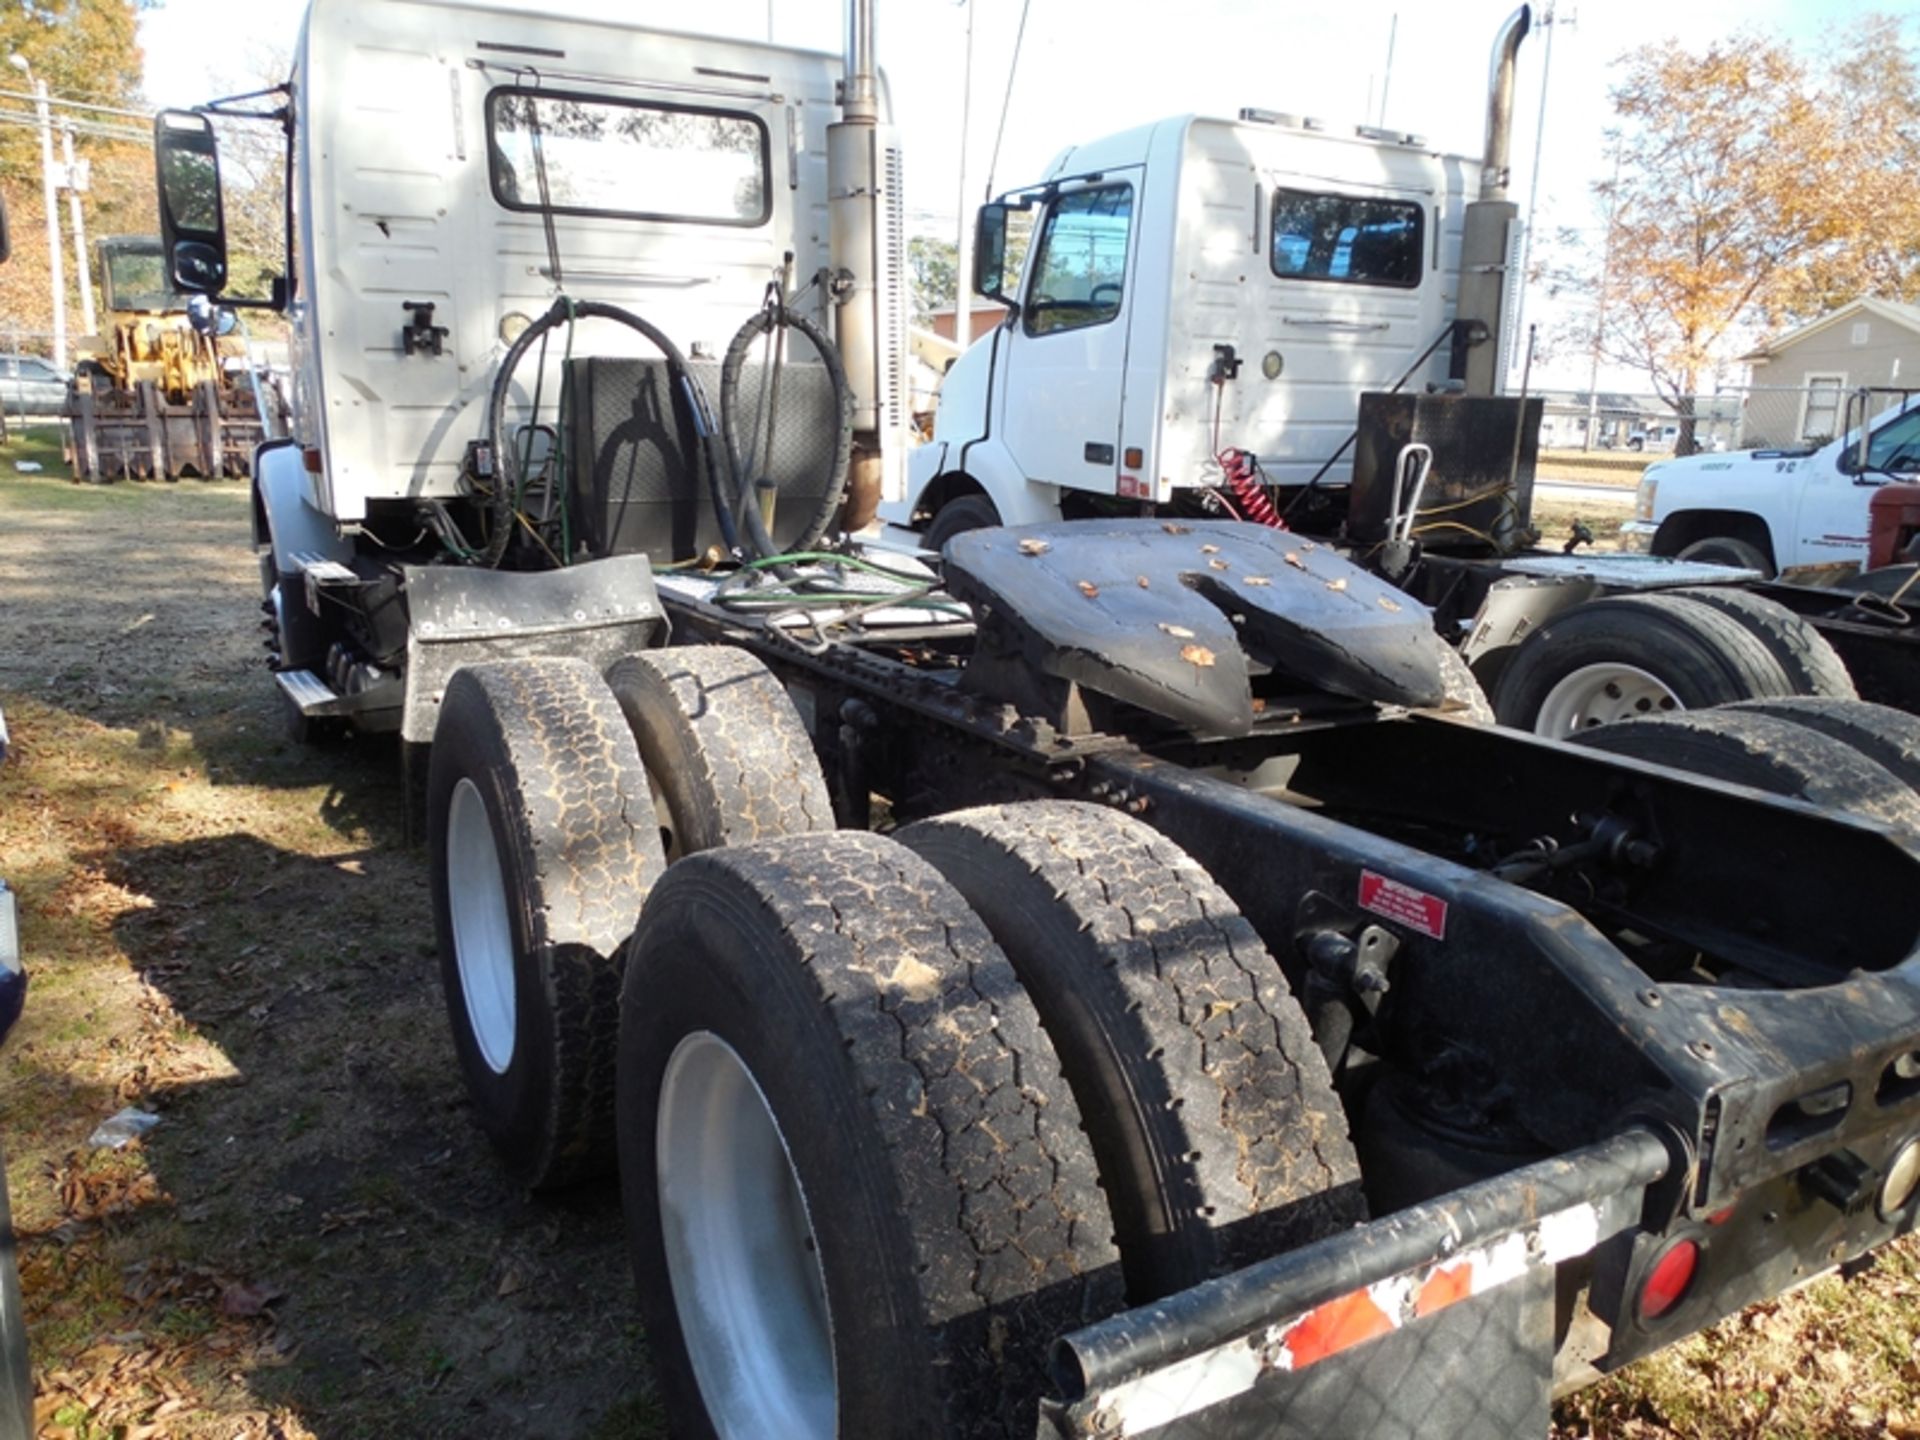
x=1079, y=274
x=627, y=160
x=1896, y=445
x=1347, y=239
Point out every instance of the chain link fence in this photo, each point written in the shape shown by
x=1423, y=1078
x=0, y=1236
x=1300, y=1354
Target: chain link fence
x=1750, y=417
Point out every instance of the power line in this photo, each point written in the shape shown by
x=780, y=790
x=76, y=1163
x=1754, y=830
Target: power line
x=60, y=103
x=1006, y=101
x=93, y=130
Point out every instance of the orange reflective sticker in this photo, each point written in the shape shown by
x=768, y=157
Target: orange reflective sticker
x=1443, y=1288
x=1335, y=1326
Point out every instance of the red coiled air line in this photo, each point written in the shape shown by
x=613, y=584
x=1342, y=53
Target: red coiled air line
x=1240, y=470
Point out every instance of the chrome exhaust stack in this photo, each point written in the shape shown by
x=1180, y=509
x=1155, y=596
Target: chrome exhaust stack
x=867, y=250
x=1491, y=239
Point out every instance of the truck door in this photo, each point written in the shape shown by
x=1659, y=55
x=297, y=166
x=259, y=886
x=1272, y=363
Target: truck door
x=1066, y=368
x=1834, y=505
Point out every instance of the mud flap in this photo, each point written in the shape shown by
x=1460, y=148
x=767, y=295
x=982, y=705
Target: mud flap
x=1436, y=1321
x=461, y=615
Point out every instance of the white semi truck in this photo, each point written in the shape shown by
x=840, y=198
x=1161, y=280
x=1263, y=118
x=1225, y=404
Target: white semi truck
x=1286, y=321
x=1230, y=1034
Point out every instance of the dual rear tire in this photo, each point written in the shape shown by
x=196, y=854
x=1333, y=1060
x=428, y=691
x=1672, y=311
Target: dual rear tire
x=895, y=1114
x=1628, y=657
x=555, y=800
x=890, y=1115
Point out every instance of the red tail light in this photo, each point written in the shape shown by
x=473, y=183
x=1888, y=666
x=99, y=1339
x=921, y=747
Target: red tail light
x=1667, y=1283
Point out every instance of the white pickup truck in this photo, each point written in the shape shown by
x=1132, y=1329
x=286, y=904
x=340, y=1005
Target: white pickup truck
x=1775, y=510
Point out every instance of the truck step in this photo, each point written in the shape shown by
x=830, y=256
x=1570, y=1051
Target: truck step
x=311, y=694
x=321, y=571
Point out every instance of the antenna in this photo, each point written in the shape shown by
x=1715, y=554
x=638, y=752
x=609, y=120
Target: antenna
x=1551, y=21
x=1386, y=81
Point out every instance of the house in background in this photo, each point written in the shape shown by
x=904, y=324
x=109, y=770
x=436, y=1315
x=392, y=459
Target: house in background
x=1806, y=373
x=982, y=316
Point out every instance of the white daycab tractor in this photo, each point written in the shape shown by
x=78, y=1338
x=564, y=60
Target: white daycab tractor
x=1282, y=320
x=1197, y=935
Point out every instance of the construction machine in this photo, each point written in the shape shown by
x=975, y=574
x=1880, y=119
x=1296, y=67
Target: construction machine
x=155, y=395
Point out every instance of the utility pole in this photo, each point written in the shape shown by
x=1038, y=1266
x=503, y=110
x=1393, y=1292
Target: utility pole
x=77, y=183
x=1600, y=315
x=963, y=246
x=52, y=200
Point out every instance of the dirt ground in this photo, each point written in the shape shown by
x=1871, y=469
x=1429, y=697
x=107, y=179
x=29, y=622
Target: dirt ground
x=314, y=1242
x=224, y=928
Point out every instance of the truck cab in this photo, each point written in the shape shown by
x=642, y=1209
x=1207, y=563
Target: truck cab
x=1193, y=285
x=1776, y=511
x=471, y=188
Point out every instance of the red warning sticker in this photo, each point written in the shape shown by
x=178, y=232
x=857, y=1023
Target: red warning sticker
x=1413, y=908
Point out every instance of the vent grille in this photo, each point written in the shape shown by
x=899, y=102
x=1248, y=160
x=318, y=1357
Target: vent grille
x=893, y=316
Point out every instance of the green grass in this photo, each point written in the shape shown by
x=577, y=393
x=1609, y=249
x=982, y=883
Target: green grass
x=52, y=489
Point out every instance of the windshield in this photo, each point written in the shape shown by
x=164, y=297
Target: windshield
x=1895, y=446
x=135, y=277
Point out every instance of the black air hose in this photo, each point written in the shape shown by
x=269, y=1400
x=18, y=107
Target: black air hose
x=506, y=481
x=769, y=321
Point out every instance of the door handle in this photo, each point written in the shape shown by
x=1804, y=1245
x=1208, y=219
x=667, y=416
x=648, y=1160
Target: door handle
x=1354, y=326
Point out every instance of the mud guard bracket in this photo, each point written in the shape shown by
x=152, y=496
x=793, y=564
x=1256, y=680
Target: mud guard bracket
x=461, y=615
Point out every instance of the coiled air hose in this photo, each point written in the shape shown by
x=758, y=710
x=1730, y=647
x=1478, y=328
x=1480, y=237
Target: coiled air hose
x=506, y=463
x=747, y=462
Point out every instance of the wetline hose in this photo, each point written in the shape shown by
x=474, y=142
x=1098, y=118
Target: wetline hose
x=506, y=484
x=770, y=321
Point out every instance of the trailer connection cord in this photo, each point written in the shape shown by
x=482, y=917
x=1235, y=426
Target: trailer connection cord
x=810, y=581
x=749, y=458
x=509, y=477
x=1241, y=471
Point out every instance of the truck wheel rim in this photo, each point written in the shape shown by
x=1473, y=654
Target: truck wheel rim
x=1601, y=694
x=482, y=933
x=741, y=1258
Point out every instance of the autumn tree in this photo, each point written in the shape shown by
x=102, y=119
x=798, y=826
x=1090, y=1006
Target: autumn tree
x=1753, y=187
x=83, y=50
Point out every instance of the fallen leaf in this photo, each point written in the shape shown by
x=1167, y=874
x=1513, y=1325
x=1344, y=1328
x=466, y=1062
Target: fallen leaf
x=1173, y=529
x=242, y=1300
x=1089, y=589
x=1196, y=655
x=1179, y=632
x=1387, y=602
x=1216, y=564
x=1209, y=549
x=1257, y=580
x=1295, y=561
x=1034, y=547
x=512, y=1282
x=1339, y=584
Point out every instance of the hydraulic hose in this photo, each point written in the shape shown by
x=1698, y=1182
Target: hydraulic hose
x=506, y=484
x=743, y=461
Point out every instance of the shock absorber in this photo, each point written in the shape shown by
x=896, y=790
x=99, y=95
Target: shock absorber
x=1241, y=472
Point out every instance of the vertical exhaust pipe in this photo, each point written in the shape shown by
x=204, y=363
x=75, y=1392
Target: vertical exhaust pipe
x=867, y=251
x=1490, y=228
x=1497, y=169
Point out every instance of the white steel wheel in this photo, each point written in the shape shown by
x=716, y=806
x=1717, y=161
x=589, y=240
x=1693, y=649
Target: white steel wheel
x=741, y=1256
x=482, y=932
x=1600, y=694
